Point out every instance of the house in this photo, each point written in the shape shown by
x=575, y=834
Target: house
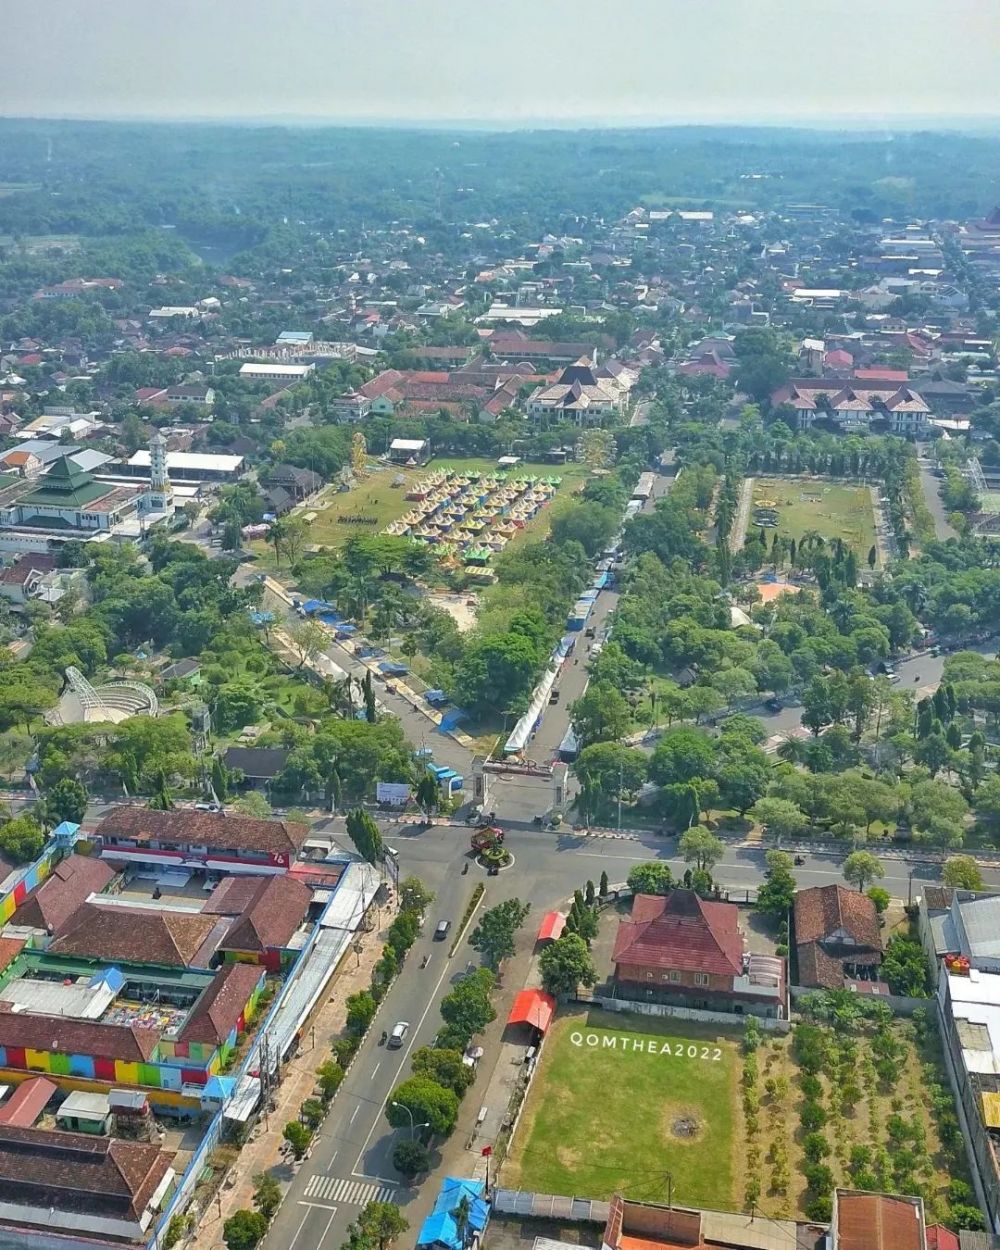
x=190, y=393
x=837, y=938
x=259, y=765
x=273, y=372
x=73, y=1183
x=298, y=482
x=578, y=397
x=960, y=930
x=680, y=948
x=410, y=451
x=440, y=1230
x=211, y=840
x=181, y=670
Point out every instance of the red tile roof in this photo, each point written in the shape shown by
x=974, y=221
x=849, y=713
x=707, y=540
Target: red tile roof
x=211, y=829
x=40, y=1169
x=27, y=1102
x=69, y=884
x=877, y=1222
x=823, y=910
x=218, y=1010
x=134, y=935
x=275, y=912
x=63, y=1036
x=553, y=923
x=681, y=931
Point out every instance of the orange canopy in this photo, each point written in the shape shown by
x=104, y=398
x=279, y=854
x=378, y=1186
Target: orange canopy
x=533, y=1007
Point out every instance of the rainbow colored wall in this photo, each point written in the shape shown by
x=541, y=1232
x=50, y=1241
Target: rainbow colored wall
x=33, y=877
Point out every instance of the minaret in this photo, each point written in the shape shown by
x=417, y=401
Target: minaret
x=161, y=495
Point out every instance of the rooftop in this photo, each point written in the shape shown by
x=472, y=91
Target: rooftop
x=215, y=830
x=681, y=931
x=127, y=935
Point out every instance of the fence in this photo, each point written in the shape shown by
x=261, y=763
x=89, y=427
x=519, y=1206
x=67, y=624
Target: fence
x=901, y=1005
x=627, y=1006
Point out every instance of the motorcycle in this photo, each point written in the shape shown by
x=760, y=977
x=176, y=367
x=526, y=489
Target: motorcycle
x=799, y=860
x=384, y=1038
x=465, y=869
x=424, y=962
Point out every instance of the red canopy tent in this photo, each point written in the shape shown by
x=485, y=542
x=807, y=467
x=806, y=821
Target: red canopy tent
x=553, y=923
x=533, y=1007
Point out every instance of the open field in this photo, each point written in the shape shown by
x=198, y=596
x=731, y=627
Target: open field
x=830, y=509
x=990, y=501
x=621, y=1100
x=380, y=502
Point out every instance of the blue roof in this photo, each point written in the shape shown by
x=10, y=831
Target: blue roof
x=440, y=1229
x=113, y=978
x=65, y=830
x=219, y=1088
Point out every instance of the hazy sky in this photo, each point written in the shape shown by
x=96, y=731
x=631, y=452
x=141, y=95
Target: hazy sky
x=505, y=60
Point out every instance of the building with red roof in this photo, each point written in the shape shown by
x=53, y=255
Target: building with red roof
x=533, y=1007
x=553, y=923
x=680, y=948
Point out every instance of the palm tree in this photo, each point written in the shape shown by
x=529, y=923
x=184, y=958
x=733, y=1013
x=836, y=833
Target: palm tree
x=462, y=1215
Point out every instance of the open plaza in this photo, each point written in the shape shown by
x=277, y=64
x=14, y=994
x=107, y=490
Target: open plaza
x=795, y=507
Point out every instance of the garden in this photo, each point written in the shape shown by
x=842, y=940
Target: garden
x=856, y=1098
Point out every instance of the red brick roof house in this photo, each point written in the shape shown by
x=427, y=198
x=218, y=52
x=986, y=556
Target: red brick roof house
x=135, y=936
x=680, y=948
x=837, y=937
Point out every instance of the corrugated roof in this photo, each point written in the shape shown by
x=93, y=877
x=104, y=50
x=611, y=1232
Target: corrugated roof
x=533, y=1007
x=681, y=931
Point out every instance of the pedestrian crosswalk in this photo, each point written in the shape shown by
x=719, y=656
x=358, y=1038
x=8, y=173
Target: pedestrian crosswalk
x=350, y=1193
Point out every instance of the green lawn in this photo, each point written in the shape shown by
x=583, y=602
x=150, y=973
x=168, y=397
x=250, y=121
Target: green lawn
x=832, y=509
x=604, y=1112
x=378, y=499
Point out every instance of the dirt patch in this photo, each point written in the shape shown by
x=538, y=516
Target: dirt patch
x=681, y=1124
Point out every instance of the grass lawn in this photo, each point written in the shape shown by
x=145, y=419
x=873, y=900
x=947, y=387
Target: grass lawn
x=377, y=498
x=832, y=509
x=620, y=1100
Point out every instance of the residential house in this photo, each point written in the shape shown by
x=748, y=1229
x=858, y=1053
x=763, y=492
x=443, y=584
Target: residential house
x=837, y=938
x=265, y=931
x=258, y=765
x=680, y=948
x=106, y=933
x=67, y=887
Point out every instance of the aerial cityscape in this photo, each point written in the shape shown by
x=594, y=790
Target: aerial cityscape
x=499, y=627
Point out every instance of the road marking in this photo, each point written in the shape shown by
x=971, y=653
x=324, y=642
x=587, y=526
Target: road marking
x=299, y=1229
x=355, y=1114
x=348, y=1192
x=322, y=1206
x=406, y=1052
x=375, y=1069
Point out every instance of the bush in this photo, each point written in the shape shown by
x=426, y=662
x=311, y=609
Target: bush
x=819, y=1178
x=344, y=1050
x=312, y=1113
x=816, y=1147
x=266, y=1194
x=178, y=1226
x=244, y=1230
x=361, y=1008
x=819, y=1209
x=812, y=1087
x=330, y=1075
x=298, y=1137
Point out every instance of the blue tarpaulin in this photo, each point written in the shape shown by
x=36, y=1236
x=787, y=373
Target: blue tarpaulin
x=317, y=605
x=440, y=1228
x=393, y=668
x=435, y=697
x=451, y=718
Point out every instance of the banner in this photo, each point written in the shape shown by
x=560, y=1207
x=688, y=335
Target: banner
x=396, y=793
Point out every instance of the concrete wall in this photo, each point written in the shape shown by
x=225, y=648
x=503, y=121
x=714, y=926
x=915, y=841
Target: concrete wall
x=729, y=1018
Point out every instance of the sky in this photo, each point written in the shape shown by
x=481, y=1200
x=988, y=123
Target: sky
x=530, y=62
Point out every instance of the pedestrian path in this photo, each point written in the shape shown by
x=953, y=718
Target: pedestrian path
x=350, y=1193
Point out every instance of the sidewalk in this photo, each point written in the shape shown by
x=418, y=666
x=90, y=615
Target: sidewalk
x=262, y=1151
x=461, y=1153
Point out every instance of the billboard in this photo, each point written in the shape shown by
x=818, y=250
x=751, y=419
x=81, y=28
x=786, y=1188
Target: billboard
x=395, y=793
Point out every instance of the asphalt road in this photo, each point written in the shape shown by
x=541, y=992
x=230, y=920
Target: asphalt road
x=931, y=486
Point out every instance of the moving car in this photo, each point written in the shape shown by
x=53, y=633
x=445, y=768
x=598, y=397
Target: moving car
x=441, y=932
x=398, y=1035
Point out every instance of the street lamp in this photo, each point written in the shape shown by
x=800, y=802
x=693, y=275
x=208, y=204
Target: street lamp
x=409, y=1112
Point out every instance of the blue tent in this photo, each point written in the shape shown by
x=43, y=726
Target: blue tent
x=440, y=1229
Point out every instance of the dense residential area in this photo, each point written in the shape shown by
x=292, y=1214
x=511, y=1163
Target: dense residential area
x=499, y=689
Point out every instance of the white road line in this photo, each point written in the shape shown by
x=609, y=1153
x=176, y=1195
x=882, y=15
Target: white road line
x=323, y=1206
x=375, y=1069
x=354, y=1116
x=299, y=1229
x=406, y=1052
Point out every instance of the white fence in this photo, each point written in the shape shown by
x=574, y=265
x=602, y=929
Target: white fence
x=627, y=1006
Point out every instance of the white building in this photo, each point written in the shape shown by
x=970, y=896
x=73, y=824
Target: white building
x=274, y=372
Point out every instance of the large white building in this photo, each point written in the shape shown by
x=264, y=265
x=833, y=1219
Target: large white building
x=274, y=372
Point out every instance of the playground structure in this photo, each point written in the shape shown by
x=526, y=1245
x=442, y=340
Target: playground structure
x=470, y=517
x=110, y=703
